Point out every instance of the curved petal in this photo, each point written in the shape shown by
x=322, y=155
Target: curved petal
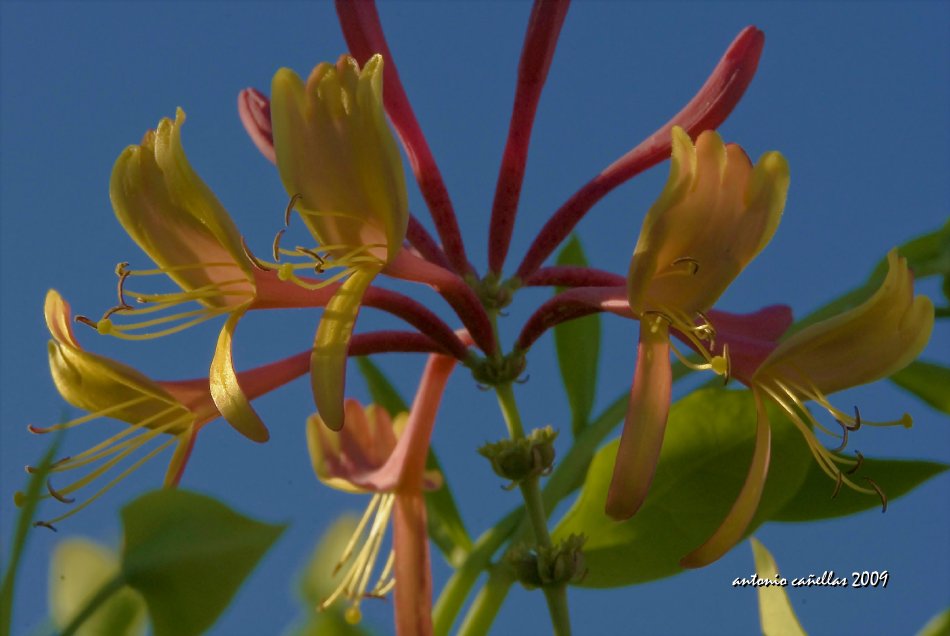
x=328, y=360
x=645, y=423
x=175, y=218
x=743, y=509
x=867, y=343
x=714, y=215
x=226, y=390
x=334, y=148
x=98, y=384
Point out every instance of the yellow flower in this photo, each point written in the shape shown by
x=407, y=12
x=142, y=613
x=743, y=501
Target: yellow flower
x=172, y=412
x=176, y=219
x=339, y=163
x=386, y=457
x=714, y=215
x=867, y=343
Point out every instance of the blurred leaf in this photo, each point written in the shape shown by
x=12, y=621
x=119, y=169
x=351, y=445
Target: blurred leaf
x=187, y=554
x=927, y=255
x=328, y=624
x=380, y=388
x=928, y=381
x=316, y=581
x=939, y=625
x=775, y=612
x=578, y=349
x=444, y=521
x=704, y=461
x=813, y=500
x=78, y=569
x=316, y=584
x=27, y=502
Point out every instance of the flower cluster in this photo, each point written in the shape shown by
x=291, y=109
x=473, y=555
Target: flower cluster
x=339, y=162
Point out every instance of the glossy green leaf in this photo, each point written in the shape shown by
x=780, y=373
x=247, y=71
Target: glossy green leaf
x=444, y=521
x=706, y=453
x=896, y=477
x=928, y=381
x=939, y=625
x=776, y=615
x=578, y=349
x=187, y=554
x=78, y=569
x=927, y=255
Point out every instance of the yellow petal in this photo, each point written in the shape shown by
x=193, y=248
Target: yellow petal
x=335, y=149
x=328, y=360
x=867, y=343
x=175, y=218
x=96, y=384
x=743, y=509
x=226, y=391
x=714, y=215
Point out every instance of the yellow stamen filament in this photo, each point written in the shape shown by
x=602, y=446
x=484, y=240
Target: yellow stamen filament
x=799, y=414
x=355, y=581
x=90, y=416
x=128, y=471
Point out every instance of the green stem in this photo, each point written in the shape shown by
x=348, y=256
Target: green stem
x=30, y=502
x=101, y=596
x=531, y=492
x=487, y=602
x=567, y=476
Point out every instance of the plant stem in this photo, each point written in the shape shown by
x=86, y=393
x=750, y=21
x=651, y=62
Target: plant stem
x=531, y=492
x=101, y=596
x=487, y=602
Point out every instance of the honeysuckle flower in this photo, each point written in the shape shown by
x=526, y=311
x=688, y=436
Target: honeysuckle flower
x=716, y=212
x=176, y=219
x=386, y=456
x=159, y=413
x=339, y=162
x=865, y=344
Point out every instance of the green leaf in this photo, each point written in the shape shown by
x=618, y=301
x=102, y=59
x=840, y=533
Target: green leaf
x=928, y=381
x=896, y=477
x=775, y=612
x=187, y=554
x=927, y=255
x=445, y=524
x=317, y=582
x=706, y=453
x=939, y=625
x=578, y=349
x=78, y=568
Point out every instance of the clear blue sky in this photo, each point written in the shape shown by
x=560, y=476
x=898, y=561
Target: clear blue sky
x=854, y=94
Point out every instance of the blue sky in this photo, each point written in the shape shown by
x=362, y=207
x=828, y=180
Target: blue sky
x=855, y=96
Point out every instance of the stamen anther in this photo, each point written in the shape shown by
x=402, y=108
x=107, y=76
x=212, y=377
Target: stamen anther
x=259, y=264
x=844, y=436
x=276, y=247
x=880, y=493
x=86, y=321
x=855, y=468
x=290, y=207
x=55, y=494
x=45, y=524
x=838, y=482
